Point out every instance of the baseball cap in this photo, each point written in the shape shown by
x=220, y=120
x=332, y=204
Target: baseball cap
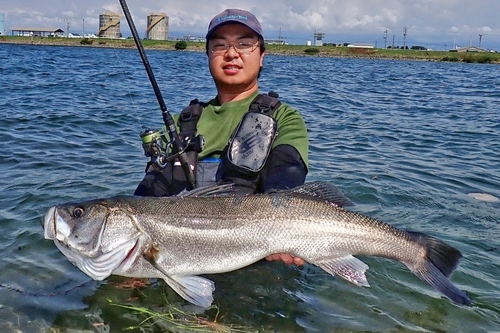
x=235, y=16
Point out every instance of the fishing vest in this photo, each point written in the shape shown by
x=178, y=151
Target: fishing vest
x=246, y=153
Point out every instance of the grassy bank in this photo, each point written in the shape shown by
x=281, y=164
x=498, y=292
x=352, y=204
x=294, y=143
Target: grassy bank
x=300, y=50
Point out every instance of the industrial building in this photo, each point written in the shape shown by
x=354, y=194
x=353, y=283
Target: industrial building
x=109, y=25
x=37, y=32
x=318, y=38
x=2, y=29
x=157, y=28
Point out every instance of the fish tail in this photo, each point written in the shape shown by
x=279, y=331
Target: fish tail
x=440, y=261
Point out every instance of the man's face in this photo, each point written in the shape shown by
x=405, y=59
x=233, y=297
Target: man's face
x=233, y=71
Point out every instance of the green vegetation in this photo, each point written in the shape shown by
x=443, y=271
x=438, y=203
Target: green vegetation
x=87, y=41
x=450, y=58
x=328, y=50
x=181, y=45
x=173, y=319
x=311, y=51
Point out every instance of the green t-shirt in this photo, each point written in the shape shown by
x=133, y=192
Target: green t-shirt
x=217, y=123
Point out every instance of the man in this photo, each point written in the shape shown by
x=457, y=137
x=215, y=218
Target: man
x=278, y=146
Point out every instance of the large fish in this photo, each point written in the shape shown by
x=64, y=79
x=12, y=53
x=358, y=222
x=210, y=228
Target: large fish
x=179, y=238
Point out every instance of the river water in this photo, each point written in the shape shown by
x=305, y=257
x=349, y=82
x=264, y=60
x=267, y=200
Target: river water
x=409, y=142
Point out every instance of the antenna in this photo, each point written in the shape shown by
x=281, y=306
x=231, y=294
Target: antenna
x=405, y=32
x=480, y=40
x=385, y=39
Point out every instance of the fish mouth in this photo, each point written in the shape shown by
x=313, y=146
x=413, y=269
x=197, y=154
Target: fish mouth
x=99, y=266
x=105, y=264
x=49, y=225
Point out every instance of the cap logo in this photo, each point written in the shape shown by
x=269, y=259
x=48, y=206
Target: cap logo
x=231, y=17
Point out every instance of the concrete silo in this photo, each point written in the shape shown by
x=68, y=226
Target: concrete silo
x=157, y=27
x=2, y=31
x=109, y=25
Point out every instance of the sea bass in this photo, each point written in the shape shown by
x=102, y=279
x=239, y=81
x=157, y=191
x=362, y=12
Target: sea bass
x=179, y=238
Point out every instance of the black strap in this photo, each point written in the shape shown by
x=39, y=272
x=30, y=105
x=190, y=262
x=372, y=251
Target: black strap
x=189, y=117
x=265, y=103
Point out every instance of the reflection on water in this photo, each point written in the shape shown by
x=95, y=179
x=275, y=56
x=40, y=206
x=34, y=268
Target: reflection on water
x=408, y=142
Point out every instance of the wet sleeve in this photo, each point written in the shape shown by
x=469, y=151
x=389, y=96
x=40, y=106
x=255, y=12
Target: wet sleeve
x=284, y=169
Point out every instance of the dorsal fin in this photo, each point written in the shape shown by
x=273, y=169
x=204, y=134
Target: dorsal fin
x=323, y=191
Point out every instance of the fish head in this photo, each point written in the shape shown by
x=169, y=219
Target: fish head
x=96, y=236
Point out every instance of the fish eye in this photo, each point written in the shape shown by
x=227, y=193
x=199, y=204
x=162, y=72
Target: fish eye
x=78, y=212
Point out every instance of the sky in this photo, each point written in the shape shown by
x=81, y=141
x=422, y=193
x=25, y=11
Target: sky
x=436, y=24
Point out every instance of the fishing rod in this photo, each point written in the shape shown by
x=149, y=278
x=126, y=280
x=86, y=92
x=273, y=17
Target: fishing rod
x=177, y=145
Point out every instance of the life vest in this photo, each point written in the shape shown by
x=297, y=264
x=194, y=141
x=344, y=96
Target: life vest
x=246, y=153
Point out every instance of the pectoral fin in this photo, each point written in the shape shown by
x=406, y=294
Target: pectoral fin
x=347, y=267
x=194, y=289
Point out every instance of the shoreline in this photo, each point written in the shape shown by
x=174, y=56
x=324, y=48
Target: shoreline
x=286, y=50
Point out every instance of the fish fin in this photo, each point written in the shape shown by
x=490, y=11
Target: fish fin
x=194, y=289
x=209, y=190
x=440, y=261
x=323, y=191
x=347, y=267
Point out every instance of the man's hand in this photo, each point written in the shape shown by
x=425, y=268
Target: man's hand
x=286, y=258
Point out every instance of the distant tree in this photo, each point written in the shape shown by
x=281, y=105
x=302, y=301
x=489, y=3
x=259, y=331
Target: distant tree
x=311, y=51
x=86, y=41
x=181, y=45
x=345, y=44
x=418, y=47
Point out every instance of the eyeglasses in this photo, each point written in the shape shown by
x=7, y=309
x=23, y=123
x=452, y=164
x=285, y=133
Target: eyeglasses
x=243, y=48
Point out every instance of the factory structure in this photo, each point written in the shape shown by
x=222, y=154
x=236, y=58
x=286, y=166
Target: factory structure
x=109, y=27
x=157, y=27
x=2, y=29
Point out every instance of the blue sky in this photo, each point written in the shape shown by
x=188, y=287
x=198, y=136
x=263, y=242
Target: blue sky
x=437, y=24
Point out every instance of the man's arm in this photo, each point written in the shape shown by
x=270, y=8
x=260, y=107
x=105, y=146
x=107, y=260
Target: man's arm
x=284, y=169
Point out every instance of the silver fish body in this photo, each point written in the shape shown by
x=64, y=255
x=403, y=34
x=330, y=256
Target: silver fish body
x=178, y=238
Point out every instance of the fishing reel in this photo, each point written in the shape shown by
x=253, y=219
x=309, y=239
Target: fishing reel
x=160, y=154
x=152, y=143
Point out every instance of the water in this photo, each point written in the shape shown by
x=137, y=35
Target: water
x=406, y=141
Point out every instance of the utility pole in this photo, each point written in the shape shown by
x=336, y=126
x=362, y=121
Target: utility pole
x=83, y=28
x=393, y=36
x=385, y=39
x=67, y=27
x=405, y=32
x=480, y=40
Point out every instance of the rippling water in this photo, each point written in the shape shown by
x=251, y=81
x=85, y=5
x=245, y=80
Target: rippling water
x=406, y=141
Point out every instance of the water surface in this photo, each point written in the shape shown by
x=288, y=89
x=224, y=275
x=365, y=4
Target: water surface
x=406, y=141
